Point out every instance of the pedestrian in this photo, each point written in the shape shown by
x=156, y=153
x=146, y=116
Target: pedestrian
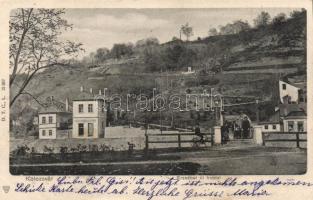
x=130, y=149
x=198, y=133
x=245, y=127
x=236, y=131
x=224, y=130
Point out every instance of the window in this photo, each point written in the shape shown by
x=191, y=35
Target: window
x=80, y=129
x=50, y=119
x=284, y=86
x=90, y=108
x=274, y=126
x=266, y=127
x=300, y=126
x=43, y=120
x=90, y=129
x=43, y=132
x=50, y=132
x=80, y=108
x=290, y=126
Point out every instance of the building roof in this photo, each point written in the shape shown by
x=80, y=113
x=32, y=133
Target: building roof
x=54, y=106
x=268, y=122
x=87, y=96
x=84, y=95
x=285, y=109
x=59, y=113
x=300, y=85
x=297, y=81
x=296, y=115
x=273, y=119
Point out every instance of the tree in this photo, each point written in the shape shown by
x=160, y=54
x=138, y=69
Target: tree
x=101, y=54
x=298, y=14
x=240, y=25
x=186, y=58
x=262, y=19
x=152, y=58
x=213, y=32
x=187, y=31
x=171, y=56
x=175, y=38
x=234, y=28
x=119, y=50
x=279, y=19
x=35, y=45
x=147, y=42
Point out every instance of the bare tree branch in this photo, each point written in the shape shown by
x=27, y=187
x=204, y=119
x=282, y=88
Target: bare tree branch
x=35, y=45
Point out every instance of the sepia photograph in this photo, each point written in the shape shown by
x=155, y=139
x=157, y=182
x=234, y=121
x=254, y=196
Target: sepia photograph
x=158, y=91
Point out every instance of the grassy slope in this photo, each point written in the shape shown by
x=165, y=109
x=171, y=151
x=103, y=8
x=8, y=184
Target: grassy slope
x=250, y=49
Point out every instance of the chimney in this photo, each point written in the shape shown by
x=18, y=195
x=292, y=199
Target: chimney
x=90, y=90
x=66, y=105
x=81, y=88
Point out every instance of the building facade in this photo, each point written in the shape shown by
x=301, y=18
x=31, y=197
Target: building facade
x=288, y=93
x=270, y=126
x=295, y=121
x=53, y=124
x=89, y=118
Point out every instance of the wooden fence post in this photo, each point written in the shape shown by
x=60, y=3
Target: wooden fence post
x=298, y=139
x=179, y=141
x=147, y=142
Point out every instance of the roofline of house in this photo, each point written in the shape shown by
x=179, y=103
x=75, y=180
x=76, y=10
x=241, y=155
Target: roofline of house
x=276, y=122
x=87, y=100
x=296, y=117
x=292, y=84
x=55, y=112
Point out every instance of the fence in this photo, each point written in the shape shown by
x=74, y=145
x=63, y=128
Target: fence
x=179, y=136
x=266, y=137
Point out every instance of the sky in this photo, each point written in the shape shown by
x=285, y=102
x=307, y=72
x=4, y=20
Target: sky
x=97, y=28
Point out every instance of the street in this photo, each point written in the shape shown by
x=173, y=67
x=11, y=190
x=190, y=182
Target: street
x=249, y=160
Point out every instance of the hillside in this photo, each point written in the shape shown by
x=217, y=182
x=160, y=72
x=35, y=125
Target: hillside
x=245, y=64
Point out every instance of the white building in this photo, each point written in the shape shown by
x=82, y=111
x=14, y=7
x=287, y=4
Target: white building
x=273, y=123
x=52, y=123
x=288, y=93
x=270, y=126
x=55, y=120
x=295, y=121
x=189, y=71
x=89, y=116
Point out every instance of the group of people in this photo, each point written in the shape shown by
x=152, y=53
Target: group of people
x=239, y=130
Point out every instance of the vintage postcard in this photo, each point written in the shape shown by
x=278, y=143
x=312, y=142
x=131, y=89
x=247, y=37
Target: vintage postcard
x=156, y=100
